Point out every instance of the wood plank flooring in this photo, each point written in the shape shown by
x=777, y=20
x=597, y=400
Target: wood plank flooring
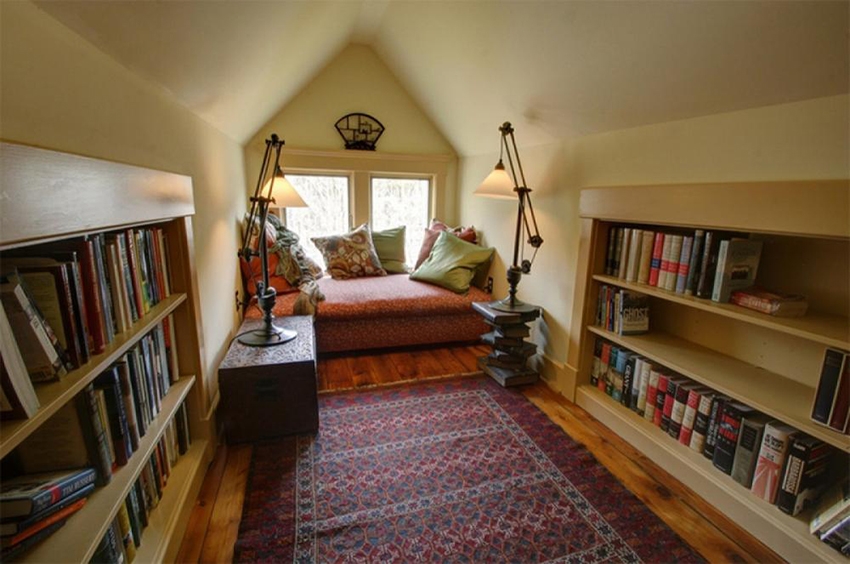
x=213, y=527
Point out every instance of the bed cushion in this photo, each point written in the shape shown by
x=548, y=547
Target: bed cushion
x=452, y=263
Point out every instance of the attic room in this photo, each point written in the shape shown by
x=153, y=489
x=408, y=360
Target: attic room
x=639, y=124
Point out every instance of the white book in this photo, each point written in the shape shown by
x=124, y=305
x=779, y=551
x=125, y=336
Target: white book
x=664, y=269
x=673, y=263
x=635, y=246
x=646, y=370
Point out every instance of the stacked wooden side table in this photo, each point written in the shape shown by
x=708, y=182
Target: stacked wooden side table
x=508, y=363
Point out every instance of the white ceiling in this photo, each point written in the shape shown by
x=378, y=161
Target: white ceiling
x=554, y=68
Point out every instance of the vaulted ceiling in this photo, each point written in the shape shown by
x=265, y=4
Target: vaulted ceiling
x=555, y=68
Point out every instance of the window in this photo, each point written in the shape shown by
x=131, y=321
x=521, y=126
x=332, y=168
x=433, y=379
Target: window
x=327, y=210
x=402, y=201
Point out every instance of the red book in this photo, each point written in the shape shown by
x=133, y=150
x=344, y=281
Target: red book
x=841, y=405
x=689, y=417
x=91, y=291
x=655, y=265
x=60, y=515
x=660, y=399
x=606, y=359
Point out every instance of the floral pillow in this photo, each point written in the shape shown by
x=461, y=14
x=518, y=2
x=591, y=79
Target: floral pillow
x=351, y=255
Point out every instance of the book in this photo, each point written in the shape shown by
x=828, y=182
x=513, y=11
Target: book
x=747, y=450
x=605, y=360
x=126, y=532
x=34, y=340
x=651, y=394
x=635, y=246
x=117, y=287
x=717, y=404
x=19, y=398
x=664, y=266
x=624, y=253
x=804, y=473
x=647, y=240
x=643, y=386
x=633, y=313
x=840, y=413
x=109, y=550
x=635, y=383
x=695, y=263
x=12, y=527
x=673, y=263
x=59, y=515
x=13, y=552
x=609, y=254
x=31, y=493
x=831, y=369
x=660, y=399
x=684, y=264
x=670, y=395
x=595, y=368
x=728, y=430
x=109, y=383
x=833, y=507
x=690, y=413
x=618, y=249
x=655, y=262
x=773, y=303
x=737, y=266
x=771, y=458
x=701, y=421
x=677, y=412
x=628, y=379
x=708, y=264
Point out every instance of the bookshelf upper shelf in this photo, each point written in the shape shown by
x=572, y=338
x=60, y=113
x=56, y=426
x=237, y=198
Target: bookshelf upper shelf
x=830, y=330
x=47, y=195
x=814, y=208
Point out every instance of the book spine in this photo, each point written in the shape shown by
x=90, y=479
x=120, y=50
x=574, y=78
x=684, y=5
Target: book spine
x=91, y=288
x=749, y=441
x=40, y=356
x=673, y=263
x=61, y=489
x=720, y=271
x=646, y=371
x=624, y=253
x=841, y=405
x=713, y=423
x=618, y=250
x=648, y=238
x=727, y=437
x=677, y=413
x=833, y=365
x=628, y=377
x=651, y=395
x=684, y=264
x=597, y=361
x=770, y=461
x=635, y=389
x=664, y=269
x=701, y=421
x=612, y=246
x=655, y=262
x=707, y=266
x=103, y=286
x=94, y=435
x=660, y=399
x=689, y=416
x=635, y=246
x=695, y=263
x=118, y=427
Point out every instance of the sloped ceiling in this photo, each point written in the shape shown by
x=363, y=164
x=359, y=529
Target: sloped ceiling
x=555, y=69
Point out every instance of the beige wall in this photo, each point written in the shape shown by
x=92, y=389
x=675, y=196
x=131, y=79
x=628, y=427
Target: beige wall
x=358, y=81
x=802, y=140
x=58, y=92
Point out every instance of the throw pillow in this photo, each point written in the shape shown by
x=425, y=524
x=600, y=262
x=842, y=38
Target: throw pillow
x=253, y=272
x=452, y=263
x=389, y=244
x=351, y=255
x=431, y=233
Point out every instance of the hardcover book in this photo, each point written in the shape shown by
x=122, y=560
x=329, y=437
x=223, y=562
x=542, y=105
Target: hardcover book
x=728, y=429
x=831, y=369
x=684, y=264
x=30, y=493
x=841, y=405
x=804, y=474
x=701, y=421
x=673, y=263
x=737, y=266
x=633, y=313
x=635, y=246
x=651, y=394
x=771, y=303
x=833, y=507
x=14, y=526
x=677, y=413
x=690, y=414
x=645, y=256
x=655, y=262
x=695, y=263
x=713, y=425
x=771, y=459
x=746, y=453
x=624, y=253
x=708, y=264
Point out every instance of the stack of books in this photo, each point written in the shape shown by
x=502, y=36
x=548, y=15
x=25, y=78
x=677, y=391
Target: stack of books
x=34, y=506
x=508, y=363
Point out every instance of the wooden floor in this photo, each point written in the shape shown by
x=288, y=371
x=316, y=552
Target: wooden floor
x=214, y=523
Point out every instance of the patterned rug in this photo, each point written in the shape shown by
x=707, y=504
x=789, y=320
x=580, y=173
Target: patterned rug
x=459, y=471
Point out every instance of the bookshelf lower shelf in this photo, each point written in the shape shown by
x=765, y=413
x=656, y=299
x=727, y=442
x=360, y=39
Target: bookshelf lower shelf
x=788, y=536
x=77, y=540
x=770, y=393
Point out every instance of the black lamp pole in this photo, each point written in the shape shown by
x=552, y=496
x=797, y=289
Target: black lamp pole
x=268, y=334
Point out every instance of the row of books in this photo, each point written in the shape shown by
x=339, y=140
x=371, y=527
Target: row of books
x=831, y=405
x=621, y=311
x=34, y=506
x=705, y=264
x=105, y=423
x=831, y=522
x=84, y=291
x=124, y=535
x=777, y=462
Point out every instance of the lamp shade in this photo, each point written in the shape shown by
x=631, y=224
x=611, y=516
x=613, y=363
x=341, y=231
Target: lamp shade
x=283, y=193
x=498, y=184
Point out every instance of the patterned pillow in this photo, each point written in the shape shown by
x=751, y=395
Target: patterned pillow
x=351, y=255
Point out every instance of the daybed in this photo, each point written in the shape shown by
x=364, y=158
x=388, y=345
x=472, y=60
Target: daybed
x=388, y=311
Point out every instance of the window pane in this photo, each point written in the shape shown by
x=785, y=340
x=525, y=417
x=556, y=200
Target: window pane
x=402, y=201
x=326, y=212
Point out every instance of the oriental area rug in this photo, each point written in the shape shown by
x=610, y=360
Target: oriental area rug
x=458, y=471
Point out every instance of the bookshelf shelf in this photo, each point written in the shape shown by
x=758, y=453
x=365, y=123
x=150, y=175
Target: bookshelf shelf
x=54, y=395
x=77, y=540
x=826, y=329
x=788, y=401
x=770, y=363
x=697, y=472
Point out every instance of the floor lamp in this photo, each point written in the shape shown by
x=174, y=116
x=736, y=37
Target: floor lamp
x=499, y=184
x=273, y=190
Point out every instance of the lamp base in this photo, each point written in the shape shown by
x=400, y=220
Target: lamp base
x=509, y=305
x=267, y=336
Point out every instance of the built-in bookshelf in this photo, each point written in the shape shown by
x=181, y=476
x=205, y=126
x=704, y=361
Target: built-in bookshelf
x=769, y=363
x=53, y=198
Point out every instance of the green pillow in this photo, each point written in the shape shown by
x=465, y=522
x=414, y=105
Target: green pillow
x=452, y=263
x=389, y=244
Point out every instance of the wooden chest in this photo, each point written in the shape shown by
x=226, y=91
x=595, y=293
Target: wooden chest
x=269, y=392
